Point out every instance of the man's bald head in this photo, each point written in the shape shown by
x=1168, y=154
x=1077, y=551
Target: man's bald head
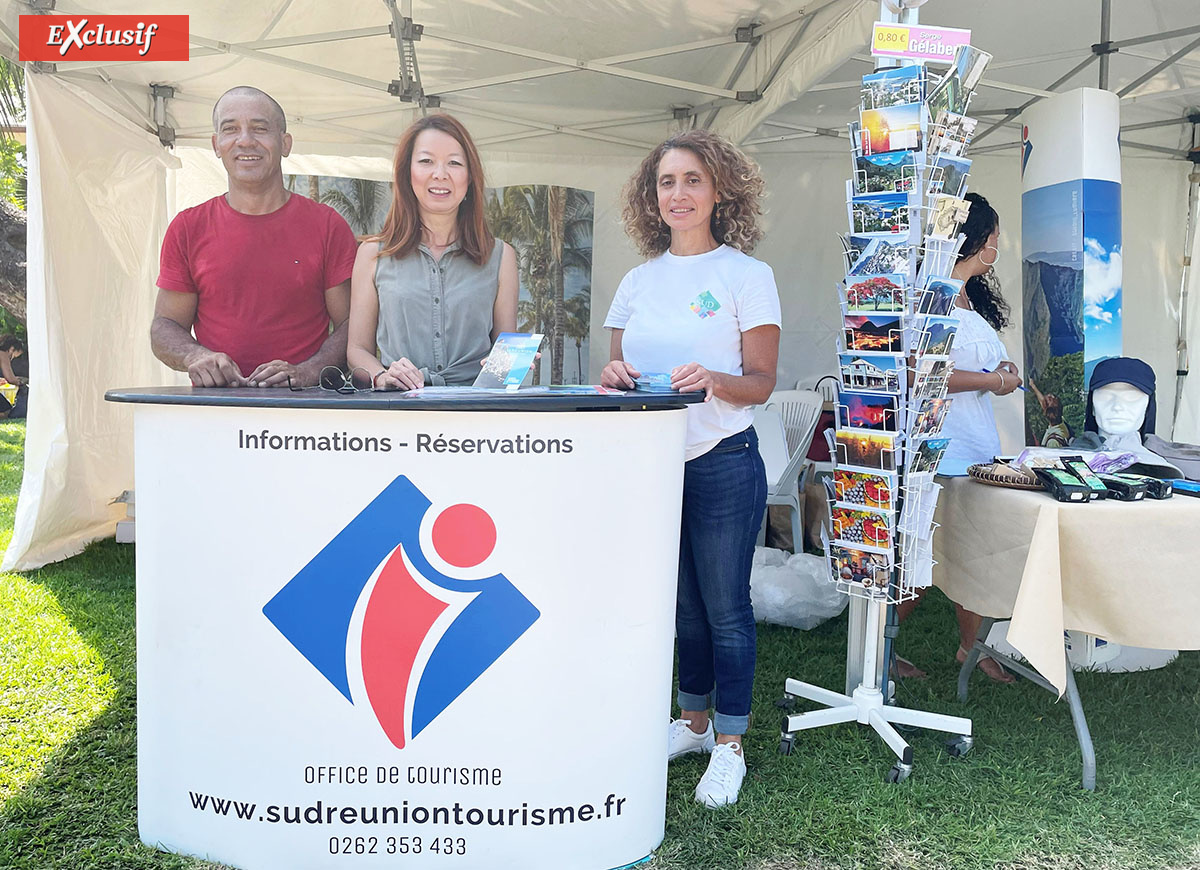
x=247, y=91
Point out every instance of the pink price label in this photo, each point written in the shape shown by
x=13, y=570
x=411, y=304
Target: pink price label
x=917, y=42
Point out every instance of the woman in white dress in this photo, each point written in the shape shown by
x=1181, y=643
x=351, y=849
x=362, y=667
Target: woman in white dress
x=982, y=368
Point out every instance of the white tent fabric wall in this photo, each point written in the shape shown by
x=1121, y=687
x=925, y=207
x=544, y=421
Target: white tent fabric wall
x=97, y=211
x=1187, y=425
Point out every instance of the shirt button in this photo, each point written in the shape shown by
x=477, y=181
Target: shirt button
x=436, y=300
x=439, y=368
x=437, y=335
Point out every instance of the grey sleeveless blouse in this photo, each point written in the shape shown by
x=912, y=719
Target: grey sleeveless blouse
x=437, y=313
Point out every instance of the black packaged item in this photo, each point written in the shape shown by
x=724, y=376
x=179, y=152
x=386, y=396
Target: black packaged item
x=1123, y=488
x=1063, y=485
x=1080, y=469
x=1155, y=488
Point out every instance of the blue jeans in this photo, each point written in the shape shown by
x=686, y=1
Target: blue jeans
x=724, y=496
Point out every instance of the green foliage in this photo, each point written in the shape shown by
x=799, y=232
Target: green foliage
x=13, y=179
x=1062, y=377
x=9, y=325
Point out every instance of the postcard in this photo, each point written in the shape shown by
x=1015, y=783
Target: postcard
x=878, y=412
x=947, y=214
x=878, y=333
x=951, y=135
x=931, y=379
x=894, y=128
x=862, y=488
x=510, y=360
x=892, y=87
x=881, y=256
x=867, y=294
x=935, y=336
x=859, y=526
x=860, y=567
x=938, y=296
x=879, y=214
x=953, y=92
x=930, y=417
x=926, y=455
x=948, y=175
x=890, y=172
x=879, y=374
x=871, y=451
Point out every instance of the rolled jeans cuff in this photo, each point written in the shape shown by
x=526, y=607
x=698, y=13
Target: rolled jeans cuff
x=688, y=701
x=734, y=726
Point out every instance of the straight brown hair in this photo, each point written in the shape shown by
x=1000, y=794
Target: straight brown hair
x=401, y=232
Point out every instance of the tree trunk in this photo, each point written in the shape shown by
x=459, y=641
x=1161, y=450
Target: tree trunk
x=314, y=188
x=12, y=260
x=556, y=206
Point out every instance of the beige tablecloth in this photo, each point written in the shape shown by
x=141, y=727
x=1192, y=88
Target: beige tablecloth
x=1127, y=572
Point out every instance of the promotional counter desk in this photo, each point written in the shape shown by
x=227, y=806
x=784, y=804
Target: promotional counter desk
x=377, y=631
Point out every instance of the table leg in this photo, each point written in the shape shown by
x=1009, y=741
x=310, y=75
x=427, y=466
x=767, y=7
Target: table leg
x=1086, y=749
x=973, y=653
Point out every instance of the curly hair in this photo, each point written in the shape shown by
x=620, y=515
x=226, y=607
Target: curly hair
x=983, y=290
x=736, y=179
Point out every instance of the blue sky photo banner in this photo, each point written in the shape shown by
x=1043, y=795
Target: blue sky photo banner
x=1071, y=255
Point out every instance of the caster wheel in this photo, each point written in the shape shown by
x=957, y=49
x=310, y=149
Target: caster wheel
x=785, y=745
x=898, y=773
x=787, y=702
x=959, y=746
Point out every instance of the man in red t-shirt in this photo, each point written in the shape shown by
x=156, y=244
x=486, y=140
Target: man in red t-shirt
x=259, y=274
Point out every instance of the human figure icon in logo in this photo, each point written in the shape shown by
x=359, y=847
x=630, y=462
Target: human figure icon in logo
x=415, y=660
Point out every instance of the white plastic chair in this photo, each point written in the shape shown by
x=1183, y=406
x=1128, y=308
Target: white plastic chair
x=785, y=426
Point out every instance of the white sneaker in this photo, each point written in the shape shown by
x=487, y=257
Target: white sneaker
x=721, y=782
x=682, y=740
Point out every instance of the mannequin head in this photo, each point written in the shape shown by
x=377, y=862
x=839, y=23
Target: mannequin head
x=1121, y=398
x=1120, y=409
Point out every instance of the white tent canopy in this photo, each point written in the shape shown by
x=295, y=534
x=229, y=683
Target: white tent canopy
x=564, y=93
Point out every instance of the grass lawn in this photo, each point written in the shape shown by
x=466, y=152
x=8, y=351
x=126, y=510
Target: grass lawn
x=68, y=781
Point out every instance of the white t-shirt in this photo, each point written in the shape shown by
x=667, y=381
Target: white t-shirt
x=677, y=310
x=970, y=423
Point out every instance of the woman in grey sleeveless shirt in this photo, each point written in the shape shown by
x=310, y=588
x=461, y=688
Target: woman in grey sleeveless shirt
x=432, y=291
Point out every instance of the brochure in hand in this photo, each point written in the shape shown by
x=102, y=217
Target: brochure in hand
x=654, y=382
x=510, y=360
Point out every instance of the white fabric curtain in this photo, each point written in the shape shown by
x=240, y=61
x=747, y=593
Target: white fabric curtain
x=1187, y=424
x=97, y=210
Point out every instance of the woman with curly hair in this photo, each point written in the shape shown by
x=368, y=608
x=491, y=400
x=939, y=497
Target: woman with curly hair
x=704, y=311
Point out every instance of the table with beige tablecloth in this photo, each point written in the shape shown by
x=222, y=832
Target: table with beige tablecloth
x=1128, y=572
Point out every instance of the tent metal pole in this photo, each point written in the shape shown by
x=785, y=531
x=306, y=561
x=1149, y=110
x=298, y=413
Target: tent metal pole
x=1189, y=241
x=1156, y=37
x=1075, y=70
x=1103, y=49
x=1159, y=67
x=748, y=52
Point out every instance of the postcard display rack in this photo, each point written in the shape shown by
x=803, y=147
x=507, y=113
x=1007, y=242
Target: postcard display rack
x=905, y=208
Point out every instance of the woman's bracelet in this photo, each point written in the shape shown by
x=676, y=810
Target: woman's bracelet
x=1001, y=376
x=374, y=380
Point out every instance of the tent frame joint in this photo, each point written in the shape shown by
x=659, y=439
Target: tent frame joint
x=160, y=94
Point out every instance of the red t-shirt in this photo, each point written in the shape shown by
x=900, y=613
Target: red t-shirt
x=261, y=279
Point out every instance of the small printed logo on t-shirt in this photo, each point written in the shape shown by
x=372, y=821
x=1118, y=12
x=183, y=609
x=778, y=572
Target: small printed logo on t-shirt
x=705, y=305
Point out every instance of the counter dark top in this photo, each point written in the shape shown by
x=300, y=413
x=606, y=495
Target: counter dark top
x=315, y=397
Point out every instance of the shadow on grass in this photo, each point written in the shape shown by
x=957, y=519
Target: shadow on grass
x=81, y=811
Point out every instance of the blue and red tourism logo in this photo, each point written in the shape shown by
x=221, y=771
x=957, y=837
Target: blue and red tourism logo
x=416, y=657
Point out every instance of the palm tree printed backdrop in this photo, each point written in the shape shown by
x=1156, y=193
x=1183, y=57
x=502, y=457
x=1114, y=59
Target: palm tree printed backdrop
x=550, y=227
